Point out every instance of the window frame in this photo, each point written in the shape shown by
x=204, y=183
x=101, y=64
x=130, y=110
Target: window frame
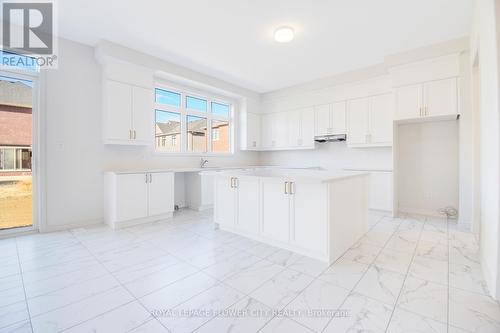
x=184, y=112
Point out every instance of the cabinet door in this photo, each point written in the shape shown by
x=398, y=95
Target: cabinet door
x=253, y=130
x=143, y=114
x=275, y=210
x=225, y=201
x=248, y=204
x=357, y=121
x=306, y=128
x=408, y=101
x=161, y=193
x=267, y=130
x=338, y=118
x=308, y=218
x=381, y=118
x=322, y=120
x=293, y=119
x=440, y=97
x=131, y=196
x=281, y=129
x=117, y=111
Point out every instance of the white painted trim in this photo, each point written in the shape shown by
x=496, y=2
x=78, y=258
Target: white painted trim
x=63, y=227
x=37, y=146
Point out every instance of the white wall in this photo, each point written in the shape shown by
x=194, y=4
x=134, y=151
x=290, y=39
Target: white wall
x=485, y=43
x=428, y=166
x=74, y=155
x=334, y=156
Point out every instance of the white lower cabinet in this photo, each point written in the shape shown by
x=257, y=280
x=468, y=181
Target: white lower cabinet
x=225, y=214
x=247, y=211
x=275, y=210
x=138, y=197
x=161, y=193
x=131, y=195
x=237, y=204
x=291, y=214
x=308, y=213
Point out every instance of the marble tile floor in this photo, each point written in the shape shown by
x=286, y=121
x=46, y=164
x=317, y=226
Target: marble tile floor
x=412, y=274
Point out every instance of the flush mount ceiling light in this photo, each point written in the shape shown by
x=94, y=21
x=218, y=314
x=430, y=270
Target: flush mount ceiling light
x=284, y=34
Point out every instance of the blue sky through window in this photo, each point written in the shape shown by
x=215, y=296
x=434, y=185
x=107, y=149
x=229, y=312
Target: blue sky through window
x=17, y=61
x=165, y=117
x=220, y=109
x=167, y=97
x=197, y=104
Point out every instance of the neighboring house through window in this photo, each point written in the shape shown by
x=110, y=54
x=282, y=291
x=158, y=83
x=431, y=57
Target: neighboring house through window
x=183, y=120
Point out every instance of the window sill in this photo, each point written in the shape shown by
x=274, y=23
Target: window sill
x=160, y=153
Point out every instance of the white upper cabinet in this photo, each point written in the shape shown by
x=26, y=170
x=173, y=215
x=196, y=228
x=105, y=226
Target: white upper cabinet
x=370, y=121
x=281, y=129
x=288, y=130
x=381, y=119
x=357, y=121
x=127, y=103
x=307, y=128
x=429, y=99
x=338, y=118
x=117, y=112
x=440, y=98
x=409, y=101
x=330, y=119
x=251, y=131
x=128, y=114
x=322, y=120
x=142, y=115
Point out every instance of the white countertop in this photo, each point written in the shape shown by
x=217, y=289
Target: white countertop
x=208, y=169
x=322, y=176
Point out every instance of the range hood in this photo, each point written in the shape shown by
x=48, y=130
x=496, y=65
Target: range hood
x=330, y=138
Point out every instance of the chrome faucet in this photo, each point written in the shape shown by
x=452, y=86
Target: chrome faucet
x=203, y=162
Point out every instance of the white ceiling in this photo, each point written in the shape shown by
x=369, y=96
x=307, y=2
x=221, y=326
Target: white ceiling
x=232, y=39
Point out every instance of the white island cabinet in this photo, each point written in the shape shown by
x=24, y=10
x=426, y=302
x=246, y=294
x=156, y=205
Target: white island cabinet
x=133, y=198
x=315, y=213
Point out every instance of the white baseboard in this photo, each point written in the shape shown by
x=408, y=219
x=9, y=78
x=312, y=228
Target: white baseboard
x=63, y=227
x=202, y=208
x=130, y=223
x=490, y=278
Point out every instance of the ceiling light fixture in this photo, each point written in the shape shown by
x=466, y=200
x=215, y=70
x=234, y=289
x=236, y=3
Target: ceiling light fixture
x=284, y=34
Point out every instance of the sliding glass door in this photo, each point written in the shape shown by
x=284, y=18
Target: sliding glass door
x=16, y=145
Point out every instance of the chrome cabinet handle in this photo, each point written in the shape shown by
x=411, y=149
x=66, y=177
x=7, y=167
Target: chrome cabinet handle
x=292, y=187
x=286, y=187
x=232, y=182
x=236, y=180
x=130, y=134
x=150, y=177
x=146, y=178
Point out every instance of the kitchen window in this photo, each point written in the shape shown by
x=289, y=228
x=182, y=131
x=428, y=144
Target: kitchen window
x=192, y=123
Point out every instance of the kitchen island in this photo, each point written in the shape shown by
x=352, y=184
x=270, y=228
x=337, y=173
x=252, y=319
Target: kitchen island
x=316, y=213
